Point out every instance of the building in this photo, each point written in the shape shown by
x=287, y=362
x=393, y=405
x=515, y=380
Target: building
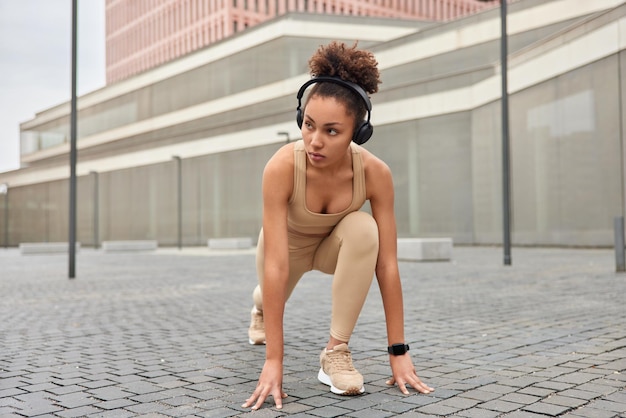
x=216, y=115
x=142, y=34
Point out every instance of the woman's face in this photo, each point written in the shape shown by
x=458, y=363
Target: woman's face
x=327, y=130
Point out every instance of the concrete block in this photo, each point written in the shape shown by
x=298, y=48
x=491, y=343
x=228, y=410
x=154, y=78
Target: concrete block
x=46, y=247
x=122, y=246
x=237, y=243
x=425, y=249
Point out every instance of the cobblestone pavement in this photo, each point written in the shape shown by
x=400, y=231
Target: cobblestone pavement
x=164, y=334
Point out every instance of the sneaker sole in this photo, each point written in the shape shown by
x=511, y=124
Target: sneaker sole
x=256, y=342
x=325, y=379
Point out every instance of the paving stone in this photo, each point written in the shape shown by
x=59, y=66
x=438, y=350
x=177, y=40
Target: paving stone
x=117, y=413
x=546, y=408
x=416, y=414
x=577, y=378
x=5, y=393
x=524, y=414
x=602, y=389
x=478, y=413
x=62, y=390
x=318, y=401
x=500, y=405
x=608, y=405
x=557, y=386
x=497, y=388
x=97, y=384
x=535, y=391
x=75, y=399
x=480, y=395
x=371, y=413
x=150, y=397
x=179, y=400
x=520, y=398
x=329, y=411
x=393, y=407
x=115, y=404
x=292, y=408
x=141, y=387
x=78, y=412
x=438, y=409
x=619, y=397
x=588, y=412
x=421, y=400
x=565, y=401
x=109, y=393
x=6, y=412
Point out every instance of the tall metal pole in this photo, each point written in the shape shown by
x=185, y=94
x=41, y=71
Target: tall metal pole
x=179, y=187
x=6, y=219
x=96, y=210
x=72, y=220
x=620, y=258
x=620, y=261
x=4, y=189
x=506, y=177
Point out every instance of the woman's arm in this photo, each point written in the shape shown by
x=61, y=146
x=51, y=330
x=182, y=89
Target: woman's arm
x=381, y=196
x=277, y=187
x=276, y=261
x=380, y=192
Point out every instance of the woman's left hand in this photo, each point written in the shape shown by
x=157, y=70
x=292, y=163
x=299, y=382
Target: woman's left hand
x=404, y=375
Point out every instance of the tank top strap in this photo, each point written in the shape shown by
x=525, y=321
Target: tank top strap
x=299, y=172
x=359, y=192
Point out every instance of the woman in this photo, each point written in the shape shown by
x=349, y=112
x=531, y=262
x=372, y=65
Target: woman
x=312, y=192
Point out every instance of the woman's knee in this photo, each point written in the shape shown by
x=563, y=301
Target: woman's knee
x=361, y=230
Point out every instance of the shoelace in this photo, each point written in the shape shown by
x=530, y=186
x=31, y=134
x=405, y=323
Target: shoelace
x=341, y=360
x=257, y=321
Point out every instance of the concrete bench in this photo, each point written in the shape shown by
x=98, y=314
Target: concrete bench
x=425, y=249
x=238, y=243
x=124, y=246
x=46, y=247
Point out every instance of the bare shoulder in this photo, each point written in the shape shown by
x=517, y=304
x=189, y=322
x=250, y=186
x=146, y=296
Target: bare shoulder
x=377, y=172
x=282, y=160
x=278, y=172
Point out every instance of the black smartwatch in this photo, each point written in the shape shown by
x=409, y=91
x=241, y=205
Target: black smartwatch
x=398, y=349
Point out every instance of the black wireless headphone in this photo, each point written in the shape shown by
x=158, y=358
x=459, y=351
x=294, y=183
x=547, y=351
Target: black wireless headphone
x=365, y=130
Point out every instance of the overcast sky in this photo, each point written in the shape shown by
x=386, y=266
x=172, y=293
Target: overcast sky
x=35, y=61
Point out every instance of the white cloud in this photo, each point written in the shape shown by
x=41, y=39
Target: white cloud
x=35, y=61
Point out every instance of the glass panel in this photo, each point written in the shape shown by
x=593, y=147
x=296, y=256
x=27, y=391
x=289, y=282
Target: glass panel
x=566, y=157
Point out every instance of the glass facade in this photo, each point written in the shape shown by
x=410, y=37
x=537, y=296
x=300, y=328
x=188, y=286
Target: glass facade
x=268, y=63
x=566, y=157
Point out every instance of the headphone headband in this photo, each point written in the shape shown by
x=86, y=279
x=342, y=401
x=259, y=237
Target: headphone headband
x=350, y=85
x=364, y=131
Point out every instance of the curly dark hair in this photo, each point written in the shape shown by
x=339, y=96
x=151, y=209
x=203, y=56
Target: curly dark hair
x=348, y=63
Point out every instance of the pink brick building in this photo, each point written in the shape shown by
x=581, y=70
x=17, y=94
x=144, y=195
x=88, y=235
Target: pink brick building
x=141, y=34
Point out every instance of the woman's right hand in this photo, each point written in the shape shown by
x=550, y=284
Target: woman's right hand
x=270, y=383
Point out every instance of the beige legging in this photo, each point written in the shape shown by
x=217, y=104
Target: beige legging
x=349, y=252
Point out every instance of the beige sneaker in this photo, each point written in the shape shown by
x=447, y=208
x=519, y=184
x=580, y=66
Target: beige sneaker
x=256, y=332
x=338, y=372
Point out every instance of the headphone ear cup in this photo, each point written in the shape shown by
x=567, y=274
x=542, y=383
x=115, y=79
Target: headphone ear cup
x=299, y=118
x=363, y=133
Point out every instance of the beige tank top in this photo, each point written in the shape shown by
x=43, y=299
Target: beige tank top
x=303, y=222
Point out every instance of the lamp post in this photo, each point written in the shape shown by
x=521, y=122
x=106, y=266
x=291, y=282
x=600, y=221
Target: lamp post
x=506, y=170
x=179, y=199
x=4, y=190
x=96, y=209
x=72, y=203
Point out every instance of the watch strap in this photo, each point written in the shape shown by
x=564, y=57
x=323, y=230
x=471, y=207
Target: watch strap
x=398, y=349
